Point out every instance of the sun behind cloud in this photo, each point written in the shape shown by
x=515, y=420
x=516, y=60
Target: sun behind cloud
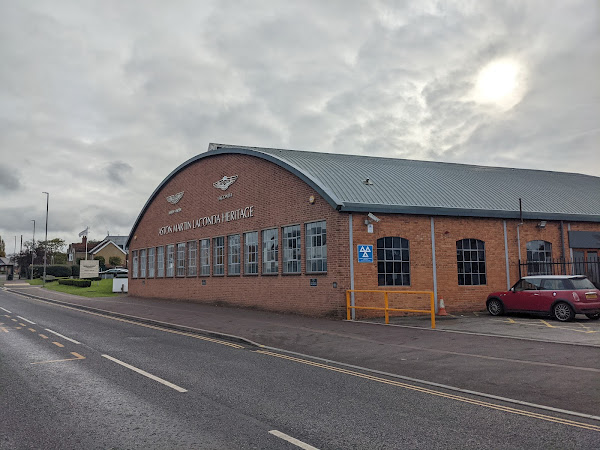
x=501, y=82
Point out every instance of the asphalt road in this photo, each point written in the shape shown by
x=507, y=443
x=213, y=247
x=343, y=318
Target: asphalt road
x=73, y=391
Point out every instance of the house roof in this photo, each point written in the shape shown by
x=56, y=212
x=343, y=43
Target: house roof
x=5, y=261
x=80, y=246
x=103, y=244
x=388, y=185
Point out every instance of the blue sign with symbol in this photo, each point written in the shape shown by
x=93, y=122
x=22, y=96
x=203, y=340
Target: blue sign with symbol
x=365, y=253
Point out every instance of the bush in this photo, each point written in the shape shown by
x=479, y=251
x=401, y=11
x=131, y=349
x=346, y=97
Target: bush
x=75, y=282
x=114, y=261
x=75, y=270
x=55, y=270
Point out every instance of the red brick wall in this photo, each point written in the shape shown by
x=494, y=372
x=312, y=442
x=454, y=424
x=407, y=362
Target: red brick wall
x=279, y=198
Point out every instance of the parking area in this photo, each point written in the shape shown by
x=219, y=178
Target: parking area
x=582, y=330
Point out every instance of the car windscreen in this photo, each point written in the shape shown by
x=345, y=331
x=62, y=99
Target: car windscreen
x=582, y=283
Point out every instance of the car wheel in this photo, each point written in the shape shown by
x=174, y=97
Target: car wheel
x=495, y=307
x=593, y=316
x=563, y=312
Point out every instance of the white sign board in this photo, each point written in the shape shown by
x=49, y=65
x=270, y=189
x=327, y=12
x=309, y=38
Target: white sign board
x=89, y=268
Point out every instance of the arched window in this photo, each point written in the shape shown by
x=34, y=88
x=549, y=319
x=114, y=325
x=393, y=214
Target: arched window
x=539, y=255
x=470, y=256
x=393, y=262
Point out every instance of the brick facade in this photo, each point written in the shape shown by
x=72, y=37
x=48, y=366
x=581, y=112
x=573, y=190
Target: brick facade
x=279, y=198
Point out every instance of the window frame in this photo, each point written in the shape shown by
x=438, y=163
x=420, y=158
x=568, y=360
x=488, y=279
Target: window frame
x=170, y=261
x=180, y=257
x=248, y=253
x=311, y=255
x=151, y=262
x=204, y=252
x=160, y=261
x=270, y=256
x=192, y=262
x=290, y=245
x=461, y=254
x=134, y=264
x=143, y=253
x=399, y=259
x=216, y=265
x=234, y=269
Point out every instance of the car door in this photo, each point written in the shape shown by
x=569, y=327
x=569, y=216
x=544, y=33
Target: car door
x=551, y=290
x=525, y=296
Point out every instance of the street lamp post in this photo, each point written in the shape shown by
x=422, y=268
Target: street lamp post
x=46, y=242
x=32, y=249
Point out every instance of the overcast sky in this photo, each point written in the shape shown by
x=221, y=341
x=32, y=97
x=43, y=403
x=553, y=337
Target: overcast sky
x=101, y=100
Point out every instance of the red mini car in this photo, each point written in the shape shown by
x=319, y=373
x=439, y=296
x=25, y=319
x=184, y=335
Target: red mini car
x=561, y=296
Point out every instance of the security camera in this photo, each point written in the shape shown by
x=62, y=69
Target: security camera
x=373, y=217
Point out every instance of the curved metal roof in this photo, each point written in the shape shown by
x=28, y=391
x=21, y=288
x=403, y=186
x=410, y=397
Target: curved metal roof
x=426, y=187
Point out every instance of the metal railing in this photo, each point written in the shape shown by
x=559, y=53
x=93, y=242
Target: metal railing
x=576, y=266
x=386, y=307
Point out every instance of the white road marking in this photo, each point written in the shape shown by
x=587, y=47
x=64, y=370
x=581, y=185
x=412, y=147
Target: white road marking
x=26, y=320
x=146, y=374
x=4, y=309
x=64, y=337
x=292, y=440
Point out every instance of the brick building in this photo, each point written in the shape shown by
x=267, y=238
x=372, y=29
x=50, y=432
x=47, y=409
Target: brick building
x=288, y=230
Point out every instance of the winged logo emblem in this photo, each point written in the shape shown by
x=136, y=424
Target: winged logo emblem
x=172, y=199
x=225, y=182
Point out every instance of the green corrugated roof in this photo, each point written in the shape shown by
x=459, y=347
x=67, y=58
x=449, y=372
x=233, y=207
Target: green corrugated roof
x=426, y=187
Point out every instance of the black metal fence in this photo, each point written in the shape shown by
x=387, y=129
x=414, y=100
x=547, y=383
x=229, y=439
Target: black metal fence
x=560, y=266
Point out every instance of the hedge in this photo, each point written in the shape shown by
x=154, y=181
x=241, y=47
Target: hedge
x=75, y=282
x=55, y=270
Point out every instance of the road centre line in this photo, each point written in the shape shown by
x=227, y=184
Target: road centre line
x=4, y=309
x=450, y=396
x=27, y=320
x=146, y=374
x=292, y=440
x=4, y=329
x=76, y=355
x=64, y=337
x=58, y=344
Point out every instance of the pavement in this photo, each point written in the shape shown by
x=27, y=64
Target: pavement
x=300, y=333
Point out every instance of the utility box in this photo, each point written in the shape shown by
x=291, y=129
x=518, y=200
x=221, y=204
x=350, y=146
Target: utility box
x=120, y=284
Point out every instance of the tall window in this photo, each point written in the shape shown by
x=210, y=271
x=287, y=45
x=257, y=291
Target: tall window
x=270, y=247
x=151, y=262
x=393, y=261
x=192, y=268
x=219, y=256
x=251, y=253
x=290, y=241
x=316, y=247
x=134, y=257
x=160, y=261
x=470, y=256
x=143, y=263
x=170, y=260
x=205, y=257
x=233, y=254
x=539, y=254
x=181, y=259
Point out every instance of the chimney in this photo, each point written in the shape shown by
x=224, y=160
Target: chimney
x=84, y=240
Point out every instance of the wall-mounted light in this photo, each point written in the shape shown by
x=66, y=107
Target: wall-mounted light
x=542, y=224
x=311, y=199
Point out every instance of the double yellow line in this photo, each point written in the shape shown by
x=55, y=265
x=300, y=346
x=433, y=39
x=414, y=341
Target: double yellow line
x=423, y=390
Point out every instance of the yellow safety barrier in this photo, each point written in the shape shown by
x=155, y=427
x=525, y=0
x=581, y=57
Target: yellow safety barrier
x=386, y=308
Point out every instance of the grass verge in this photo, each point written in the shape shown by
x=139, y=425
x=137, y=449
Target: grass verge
x=102, y=288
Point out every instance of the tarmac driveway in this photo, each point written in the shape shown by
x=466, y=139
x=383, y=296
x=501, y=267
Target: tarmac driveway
x=581, y=331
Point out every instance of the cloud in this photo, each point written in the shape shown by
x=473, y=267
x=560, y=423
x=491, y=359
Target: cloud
x=110, y=97
x=9, y=179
